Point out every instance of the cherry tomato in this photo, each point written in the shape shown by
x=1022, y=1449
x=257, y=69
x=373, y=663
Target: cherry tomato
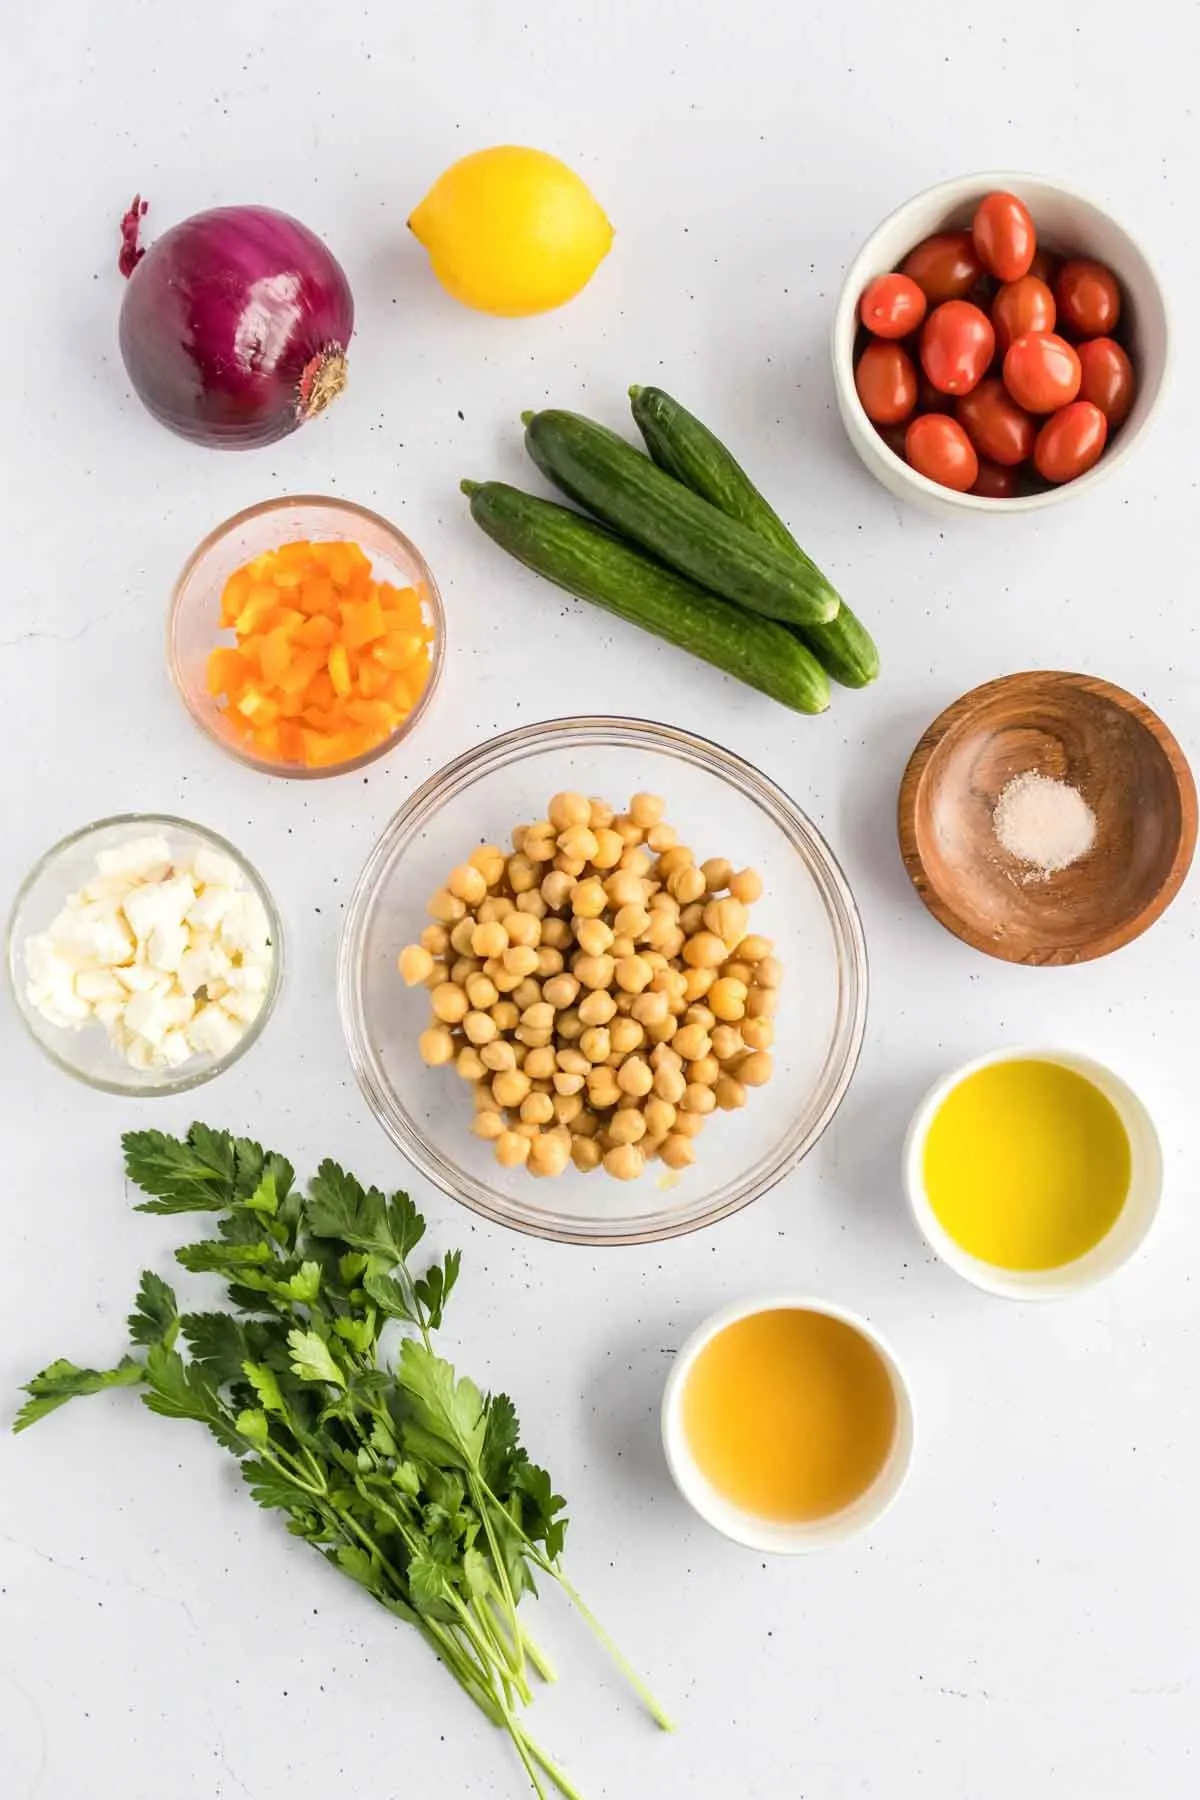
x=1089, y=300
x=944, y=266
x=957, y=344
x=1004, y=237
x=886, y=383
x=995, y=423
x=1021, y=306
x=1044, y=266
x=1041, y=371
x=1070, y=442
x=937, y=446
x=1107, y=379
x=892, y=306
x=995, y=483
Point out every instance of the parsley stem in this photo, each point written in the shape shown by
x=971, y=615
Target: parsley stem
x=533, y=1649
x=480, y=1493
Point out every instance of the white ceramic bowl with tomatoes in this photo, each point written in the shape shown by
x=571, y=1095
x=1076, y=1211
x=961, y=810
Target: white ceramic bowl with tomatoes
x=1025, y=405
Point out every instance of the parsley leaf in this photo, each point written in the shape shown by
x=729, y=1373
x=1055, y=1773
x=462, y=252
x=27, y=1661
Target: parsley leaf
x=434, y=1288
x=196, y=1175
x=63, y=1381
x=311, y=1359
x=339, y=1207
x=218, y=1343
x=447, y=1418
x=180, y=1390
x=156, y=1317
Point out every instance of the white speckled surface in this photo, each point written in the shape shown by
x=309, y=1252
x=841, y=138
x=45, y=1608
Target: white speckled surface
x=1028, y=1618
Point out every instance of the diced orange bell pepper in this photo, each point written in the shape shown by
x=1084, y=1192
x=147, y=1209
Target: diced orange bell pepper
x=339, y=670
x=227, y=672
x=401, y=605
x=319, y=631
x=297, y=678
x=362, y=622
x=276, y=657
x=398, y=649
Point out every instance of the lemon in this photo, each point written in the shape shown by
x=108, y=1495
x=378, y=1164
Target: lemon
x=512, y=231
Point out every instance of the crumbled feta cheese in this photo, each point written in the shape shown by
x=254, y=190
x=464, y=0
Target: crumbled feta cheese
x=148, y=947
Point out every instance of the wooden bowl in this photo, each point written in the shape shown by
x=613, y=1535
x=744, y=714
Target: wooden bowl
x=1072, y=728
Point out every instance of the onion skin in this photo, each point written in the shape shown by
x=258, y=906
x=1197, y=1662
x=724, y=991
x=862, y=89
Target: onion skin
x=234, y=325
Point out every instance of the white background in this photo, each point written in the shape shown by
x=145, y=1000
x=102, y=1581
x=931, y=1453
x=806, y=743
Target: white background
x=1028, y=1619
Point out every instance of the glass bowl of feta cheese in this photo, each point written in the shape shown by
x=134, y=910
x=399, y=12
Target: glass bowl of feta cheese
x=144, y=954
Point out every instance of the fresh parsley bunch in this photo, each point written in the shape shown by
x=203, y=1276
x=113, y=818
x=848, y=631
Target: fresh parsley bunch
x=405, y=1476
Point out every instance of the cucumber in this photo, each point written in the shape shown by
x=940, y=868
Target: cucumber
x=621, y=485
x=685, y=448
x=589, y=560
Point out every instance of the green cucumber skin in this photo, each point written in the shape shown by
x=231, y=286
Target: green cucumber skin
x=589, y=561
x=623, y=487
x=684, y=447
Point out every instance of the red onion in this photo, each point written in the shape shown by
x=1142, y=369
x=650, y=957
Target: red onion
x=234, y=325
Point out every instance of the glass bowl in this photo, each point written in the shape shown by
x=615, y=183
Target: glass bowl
x=87, y=1053
x=721, y=806
x=194, y=628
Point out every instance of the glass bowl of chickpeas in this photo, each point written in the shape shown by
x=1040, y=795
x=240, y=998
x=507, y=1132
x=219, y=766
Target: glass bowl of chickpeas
x=602, y=981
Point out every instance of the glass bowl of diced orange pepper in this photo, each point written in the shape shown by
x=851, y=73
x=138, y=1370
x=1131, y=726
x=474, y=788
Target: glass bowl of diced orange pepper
x=306, y=636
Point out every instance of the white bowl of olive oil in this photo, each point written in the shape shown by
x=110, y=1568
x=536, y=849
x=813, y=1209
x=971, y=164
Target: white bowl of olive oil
x=787, y=1423
x=1033, y=1173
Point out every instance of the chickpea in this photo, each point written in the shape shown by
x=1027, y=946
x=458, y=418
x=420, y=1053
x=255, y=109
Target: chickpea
x=573, y=1061
x=747, y=886
x=506, y=1014
x=627, y=1126
x=727, y=998
x=761, y=1003
x=569, y=865
x=698, y=982
x=435, y=939
x=497, y=1056
x=586, y=1124
x=568, y=1085
x=754, y=948
x=533, y=1037
x=415, y=964
x=467, y=883
x=594, y=971
x=539, y=845
x=479, y=1028
x=671, y=861
x=490, y=939
x=600, y=813
x=512, y=1149
x=570, y=1025
x=469, y=1064
x=510, y=1087
x=482, y=991
x=756, y=1069
x=627, y=831
x=627, y=1036
x=687, y=885
x=635, y=1077
x=460, y=936
x=446, y=907
x=691, y=1124
x=517, y=836
x=520, y=961
x=727, y=1042
x=727, y=919
x=489, y=860
x=602, y=1088
x=557, y=889
x=522, y=875
x=595, y=1044
x=531, y=903
x=646, y=809
x=437, y=974
x=567, y=1107
x=699, y=1014
x=663, y=1031
x=585, y=1153
x=664, y=1056
x=625, y=1161
x=769, y=973
x=758, y=1034
x=692, y=1042
x=597, y=1008
x=550, y=1153
x=462, y=969
x=526, y=993
x=691, y=919
x=705, y=1071
x=550, y=962
x=568, y=809
x=717, y=872
x=633, y=974
x=651, y=1009
x=660, y=1117
x=677, y=1151
x=622, y=947
x=594, y=937
x=532, y=1132
x=631, y=921
x=737, y=970
x=609, y=848
x=488, y=1124
x=669, y=1084
x=730, y=1093
x=537, y=1109
x=436, y=1046
x=523, y=930
x=560, y=991
x=540, y=1064
x=662, y=837
x=494, y=910
x=556, y=934
x=705, y=951
x=697, y=1098
x=579, y=843
x=625, y=888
